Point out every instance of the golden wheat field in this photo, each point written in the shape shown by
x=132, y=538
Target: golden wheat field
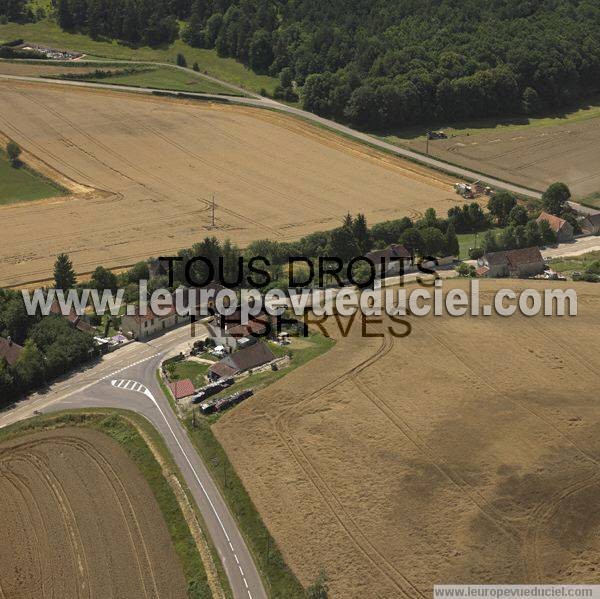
x=143, y=172
x=79, y=520
x=467, y=452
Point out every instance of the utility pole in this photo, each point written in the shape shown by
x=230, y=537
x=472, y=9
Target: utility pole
x=225, y=470
x=213, y=210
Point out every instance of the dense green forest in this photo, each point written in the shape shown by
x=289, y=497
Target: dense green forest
x=380, y=64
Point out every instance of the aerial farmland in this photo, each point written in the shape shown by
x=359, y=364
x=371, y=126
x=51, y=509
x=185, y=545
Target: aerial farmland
x=144, y=172
x=467, y=450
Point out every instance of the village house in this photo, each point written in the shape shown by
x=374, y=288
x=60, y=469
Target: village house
x=522, y=263
x=242, y=360
x=393, y=260
x=590, y=223
x=140, y=327
x=563, y=229
x=9, y=351
x=78, y=322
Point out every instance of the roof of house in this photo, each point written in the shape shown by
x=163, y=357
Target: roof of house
x=256, y=325
x=9, y=350
x=482, y=271
x=75, y=319
x=556, y=223
x=149, y=314
x=55, y=309
x=496, y=258
x=392, y=251
x=222, y=370
x=524, y=256
x=594, y=219
x=183, y=388
x=249, y=357
x=514, y=258
x=85, y=327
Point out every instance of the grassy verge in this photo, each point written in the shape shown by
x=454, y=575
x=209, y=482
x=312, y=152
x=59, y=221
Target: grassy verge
x=499, y=125
x=279, y=579
x=24, y=184
x=188, y=370
x=167, y=78
x=593, y=200
x=114, y=423
x=49, y=33
x=571, y=264
x=167, y=392
x=473, y=240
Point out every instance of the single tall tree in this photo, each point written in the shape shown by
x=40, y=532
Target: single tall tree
x=451, y=241
x=555, y=198
x=361, y=233
x=64, y=275
x=500, y=205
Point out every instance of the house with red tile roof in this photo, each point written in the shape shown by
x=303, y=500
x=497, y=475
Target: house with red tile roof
x=181, y=389
x=563, y=229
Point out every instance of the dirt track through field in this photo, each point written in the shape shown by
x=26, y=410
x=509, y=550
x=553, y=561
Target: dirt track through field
x=157, y=163
x=79, y=520
x=466, y=452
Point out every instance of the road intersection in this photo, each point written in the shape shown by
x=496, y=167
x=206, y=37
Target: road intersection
x=126, y=379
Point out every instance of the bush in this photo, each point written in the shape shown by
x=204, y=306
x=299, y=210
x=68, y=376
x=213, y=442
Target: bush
x=475, y=253
x=13, y=151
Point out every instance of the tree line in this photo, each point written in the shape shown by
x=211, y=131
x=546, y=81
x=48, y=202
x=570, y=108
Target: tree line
x=382, y=64
x=52, y=346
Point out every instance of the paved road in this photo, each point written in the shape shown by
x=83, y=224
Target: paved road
x=126, y=379
x=261, y=102
x=583, y=245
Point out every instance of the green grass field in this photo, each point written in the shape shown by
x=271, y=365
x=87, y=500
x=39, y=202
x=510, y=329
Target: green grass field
x=22, y=185
x=188, y=370
x=167, y=78
x=473, y=240
x=114, y=423
x=572, y=264
x=592, y=200
x=48, y=33
x=590, y=111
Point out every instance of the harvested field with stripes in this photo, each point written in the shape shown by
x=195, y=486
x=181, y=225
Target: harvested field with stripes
x=143, y=171
x=80, y=521
x=468, y=451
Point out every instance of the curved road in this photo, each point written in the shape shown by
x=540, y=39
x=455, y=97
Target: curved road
x=259, y=101
x=127, y=379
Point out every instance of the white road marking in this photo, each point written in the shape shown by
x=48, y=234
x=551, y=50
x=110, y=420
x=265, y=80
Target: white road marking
x=137, y=387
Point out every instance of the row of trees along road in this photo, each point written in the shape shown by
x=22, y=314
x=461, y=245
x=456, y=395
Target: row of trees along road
x=381, y=64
